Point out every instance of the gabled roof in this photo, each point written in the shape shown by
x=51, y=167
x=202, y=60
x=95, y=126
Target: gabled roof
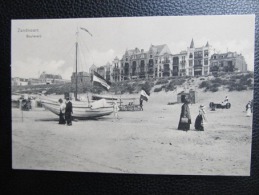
x=93, y=66
x=159, y=49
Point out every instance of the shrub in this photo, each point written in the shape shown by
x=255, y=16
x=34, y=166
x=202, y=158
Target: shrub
x=158, y=89
x=204, y=84
x=214, y=89
x=162, y=81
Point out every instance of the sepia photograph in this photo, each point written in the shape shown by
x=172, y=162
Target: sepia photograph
x=170, y=95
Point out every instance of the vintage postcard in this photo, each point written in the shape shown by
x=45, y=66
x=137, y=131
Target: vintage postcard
x=142, y=95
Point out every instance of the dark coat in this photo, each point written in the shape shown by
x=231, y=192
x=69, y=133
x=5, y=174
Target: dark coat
x=69, y=108
x=185, y=113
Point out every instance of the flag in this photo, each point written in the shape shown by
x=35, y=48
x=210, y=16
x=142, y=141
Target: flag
x=85, y=30
x=144, y=95
x=99, y=80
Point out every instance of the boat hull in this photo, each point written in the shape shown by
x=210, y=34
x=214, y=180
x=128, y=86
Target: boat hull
x=80, y=109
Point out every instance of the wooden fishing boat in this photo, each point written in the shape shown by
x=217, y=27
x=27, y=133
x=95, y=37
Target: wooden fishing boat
x=81, y=109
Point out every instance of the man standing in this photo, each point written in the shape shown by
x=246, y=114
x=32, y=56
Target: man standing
x=68, y=112
x=141, y=104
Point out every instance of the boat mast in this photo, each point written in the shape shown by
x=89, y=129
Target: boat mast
x=76, y=62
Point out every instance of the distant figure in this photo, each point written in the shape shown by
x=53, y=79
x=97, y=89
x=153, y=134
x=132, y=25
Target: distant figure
x=115, y=110
x=68, y=112
x=248, y=109
x=200, y=119
x=62, y=112
x=185, y=117
x=141, y=104
x=226, y=100
x=252, y=105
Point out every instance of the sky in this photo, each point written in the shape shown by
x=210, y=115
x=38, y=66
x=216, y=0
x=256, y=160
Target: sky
x=52, y=49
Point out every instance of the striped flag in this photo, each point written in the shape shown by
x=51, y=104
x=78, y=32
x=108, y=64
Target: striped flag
x=85, y=30
x=99, y=80
x=144, y=95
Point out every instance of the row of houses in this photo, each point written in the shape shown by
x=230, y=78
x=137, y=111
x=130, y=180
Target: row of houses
x=42, y=80
x=158, y=61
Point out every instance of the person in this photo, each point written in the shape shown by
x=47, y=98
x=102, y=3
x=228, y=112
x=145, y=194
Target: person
x=115, y=110
x=61, y=112
x=200, y=119
x=68, y=112
x=252, y=105
x=141, y=104
x=226, y=100
x=248, y=109
x=185, y=117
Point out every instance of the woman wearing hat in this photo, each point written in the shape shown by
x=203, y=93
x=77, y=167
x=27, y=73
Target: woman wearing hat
x=200, y=119
x=62, y=112
x=185, y=117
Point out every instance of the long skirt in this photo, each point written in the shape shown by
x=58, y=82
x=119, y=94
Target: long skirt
x=68, y=118
x=248, y=112
x=183, y=126
x=61, y=118
x=199, y=123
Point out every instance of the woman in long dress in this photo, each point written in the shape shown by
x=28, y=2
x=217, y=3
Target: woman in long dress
x=185, y=117
x=248, y=109
x=62, y=112
x=200, y=119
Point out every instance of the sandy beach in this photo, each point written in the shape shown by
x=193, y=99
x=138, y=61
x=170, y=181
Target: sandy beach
x=145, y=142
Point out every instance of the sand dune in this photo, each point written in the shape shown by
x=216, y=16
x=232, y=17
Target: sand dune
x=140, y=142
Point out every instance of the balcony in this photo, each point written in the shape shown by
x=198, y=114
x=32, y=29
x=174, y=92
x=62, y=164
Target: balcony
x=166, y=61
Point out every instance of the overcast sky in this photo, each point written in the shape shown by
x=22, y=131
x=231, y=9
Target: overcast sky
x=54, y=51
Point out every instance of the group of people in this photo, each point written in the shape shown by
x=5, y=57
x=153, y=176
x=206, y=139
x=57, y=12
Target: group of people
x=66, y=111
x=201, y=119
x=185, y=117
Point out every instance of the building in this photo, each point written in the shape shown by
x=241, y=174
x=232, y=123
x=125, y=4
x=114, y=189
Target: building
x=192, y=62
x=82, y=78
x=49, y=78
x=158, y=61
x=17, y=81
x=153, y=63
x=227, y=62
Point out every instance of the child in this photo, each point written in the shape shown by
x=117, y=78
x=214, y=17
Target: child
x=115, y=110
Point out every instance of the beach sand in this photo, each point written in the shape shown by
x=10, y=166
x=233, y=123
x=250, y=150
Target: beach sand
x=145, y=142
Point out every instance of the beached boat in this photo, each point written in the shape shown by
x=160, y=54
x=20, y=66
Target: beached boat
x=81, y=109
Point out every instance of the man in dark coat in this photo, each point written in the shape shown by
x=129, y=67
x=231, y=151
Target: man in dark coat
x=141, y=104
x=68, y=112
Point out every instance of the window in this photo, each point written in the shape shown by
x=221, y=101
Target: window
x=191, y=55
x=150, y=56
x=206, y=61
x=206, y=53
x=190, y=63
x=190, y=72
x=126, y=59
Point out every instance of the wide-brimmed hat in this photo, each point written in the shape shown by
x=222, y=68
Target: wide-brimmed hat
x=202, y=106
